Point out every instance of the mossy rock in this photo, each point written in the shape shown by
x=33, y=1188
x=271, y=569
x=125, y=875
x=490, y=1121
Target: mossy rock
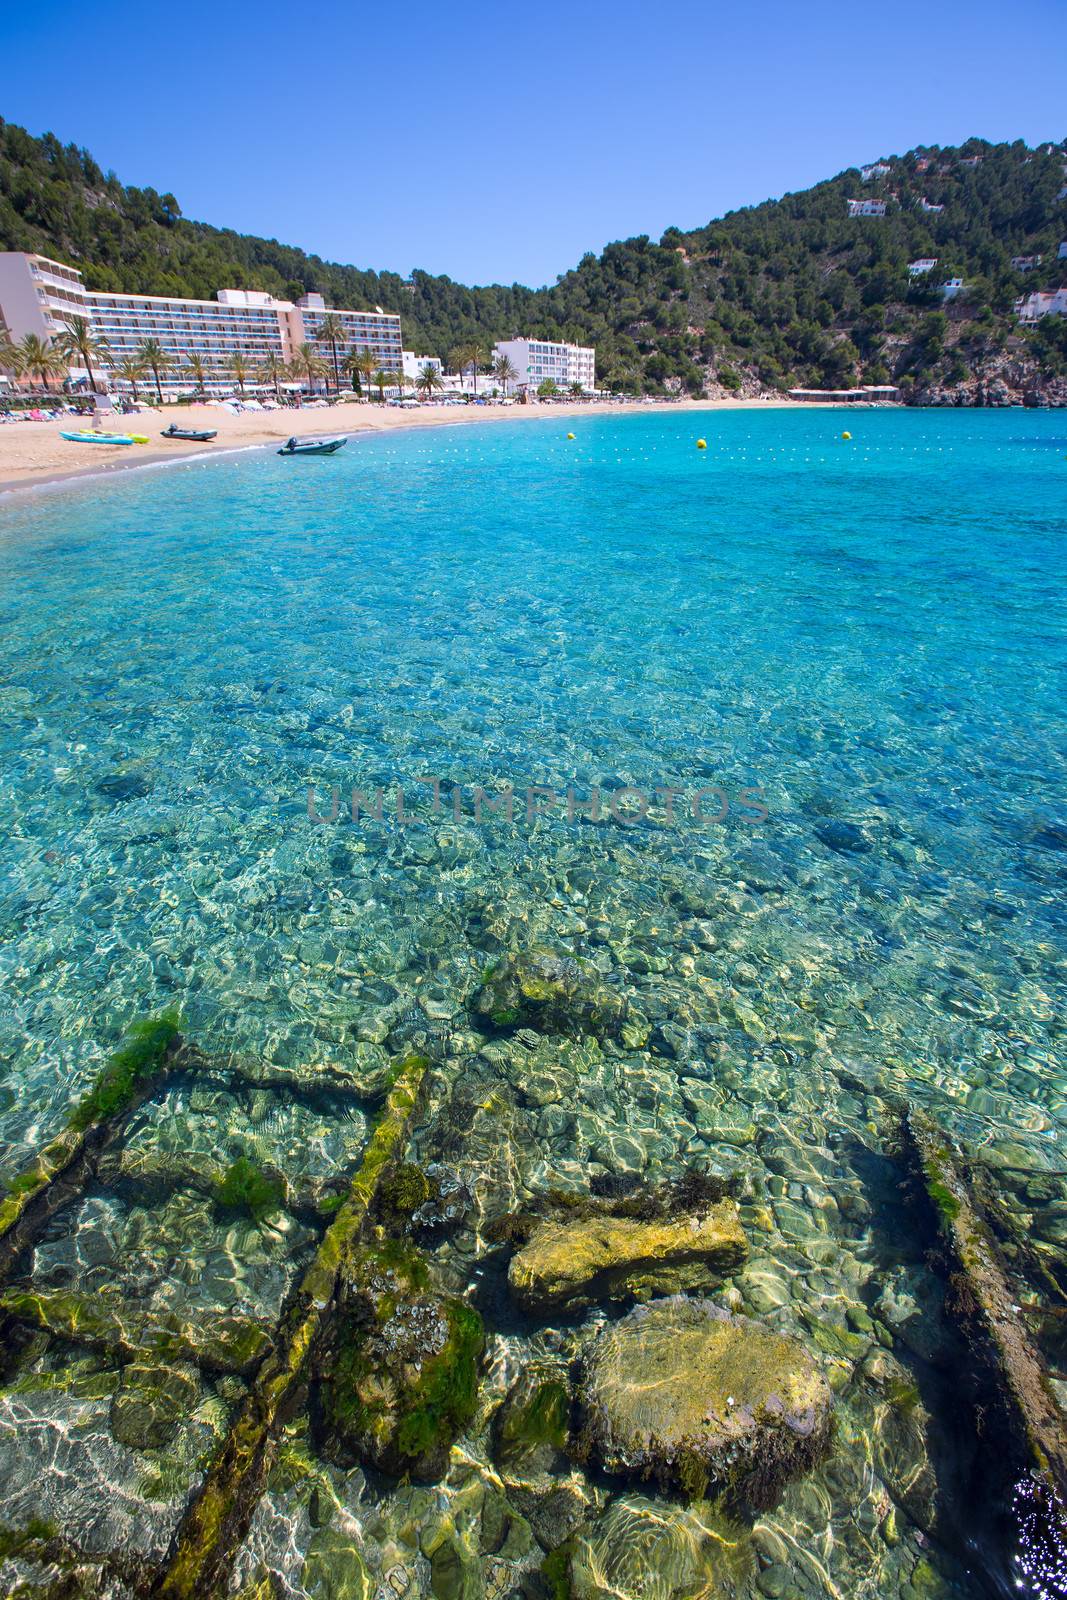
x=402, y=1381
x=248, y=1191
x=148, y=1043
x=551, y=993
x=404, y=1190
x=683, y=1392
x=531, y=1427
x=151, y=1403
x=596, y=1258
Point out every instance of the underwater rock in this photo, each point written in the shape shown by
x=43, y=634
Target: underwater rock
x=151, y=1402
x=845, y=837
x=579, y=1263
x=531, y=1425
x=657, y=1551
x=444, y=1209
x=124, y=786
x=402, y=1379
x=551, y=993
x=334, y=1568
x=216, y=1342
x=684, y=1392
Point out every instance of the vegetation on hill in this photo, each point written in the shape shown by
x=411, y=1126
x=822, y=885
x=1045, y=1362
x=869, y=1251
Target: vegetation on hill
x=793, y=291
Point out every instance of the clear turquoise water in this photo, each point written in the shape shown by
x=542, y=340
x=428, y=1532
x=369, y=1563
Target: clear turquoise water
x=868, y=632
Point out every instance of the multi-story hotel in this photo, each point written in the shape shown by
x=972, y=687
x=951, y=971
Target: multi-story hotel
x=536, y=360
x=36, y=295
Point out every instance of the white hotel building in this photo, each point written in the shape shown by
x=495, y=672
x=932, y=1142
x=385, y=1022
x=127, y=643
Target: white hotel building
x=536, y=360
x=36, y=295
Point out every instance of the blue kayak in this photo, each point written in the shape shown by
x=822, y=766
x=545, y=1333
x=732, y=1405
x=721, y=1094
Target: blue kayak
x=99, y=438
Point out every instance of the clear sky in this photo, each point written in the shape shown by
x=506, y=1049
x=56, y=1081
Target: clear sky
x=496, y=141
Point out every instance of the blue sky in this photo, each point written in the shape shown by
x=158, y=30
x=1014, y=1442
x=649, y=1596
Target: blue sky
x=497, y=142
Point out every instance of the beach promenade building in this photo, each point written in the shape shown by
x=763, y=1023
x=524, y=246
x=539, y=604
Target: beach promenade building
x=537, y=360
x=36, y=295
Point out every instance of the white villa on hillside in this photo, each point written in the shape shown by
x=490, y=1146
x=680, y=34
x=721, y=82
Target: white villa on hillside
x=923, y=264
x=537, y=360
x=1032, y=307
x=877, y=169
x=866, y=208
x=1026, y=263
x=951, y=289
x=927, y=205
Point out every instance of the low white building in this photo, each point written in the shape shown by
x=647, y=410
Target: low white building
x=923, y=264
x=951, y=289
x=1032, y=307
x=866, y=208
x=538, y=360
x=413, y=364
x=1061, y=253
x=877, y=169
x=928, y=205
x=1026, y=263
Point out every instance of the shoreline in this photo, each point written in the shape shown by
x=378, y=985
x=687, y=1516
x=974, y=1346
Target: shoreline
x=34, y=457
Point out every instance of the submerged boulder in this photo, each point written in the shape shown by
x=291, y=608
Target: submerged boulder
x=402, y=1378
x=151, y=1402
x=551, y=993
x=576, y=1264
x=687, y=1394
x=657, y=1551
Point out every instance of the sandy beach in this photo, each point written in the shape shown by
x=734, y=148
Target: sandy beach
x=33, y=454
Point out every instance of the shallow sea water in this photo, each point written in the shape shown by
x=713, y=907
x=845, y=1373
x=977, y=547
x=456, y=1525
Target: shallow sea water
x=867, y=633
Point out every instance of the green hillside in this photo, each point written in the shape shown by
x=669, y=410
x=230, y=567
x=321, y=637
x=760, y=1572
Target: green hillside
x=789, y=292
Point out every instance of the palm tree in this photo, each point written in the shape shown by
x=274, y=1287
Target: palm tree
x=331, y=331
x=153, y=355
x=368, y=364
x=239, y=367
x=80, y=344
x=131, y=371
x=505, y=371
x=39, y=360
x=468, y=355
x=428, y=380
x=354, y=369
x=198, y=370
x=308, y=361
x=381, y=378
x=10, y=357
x=401, y=380
x=576, y=389
x=273, y=370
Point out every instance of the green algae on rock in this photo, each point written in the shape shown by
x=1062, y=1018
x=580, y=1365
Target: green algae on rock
x=244, y=1188
x=220, y=1513
x=218, y=1342
x=531, y=1425
x=610, y=1257
x=68, y=1161
x=551, y=993
x=684, y=1392
x=127, y=1070
x=403, y=1379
